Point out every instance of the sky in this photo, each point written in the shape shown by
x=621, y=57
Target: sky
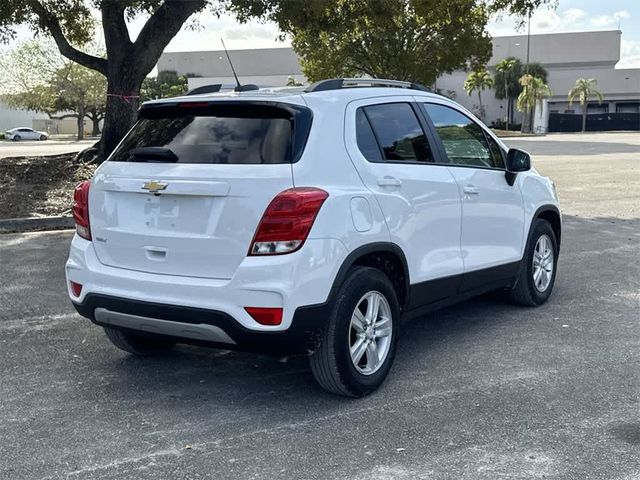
x=570, y=16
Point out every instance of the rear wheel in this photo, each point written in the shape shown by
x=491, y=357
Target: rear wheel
x=359, y=344
x=138, y=344
x=538, y=269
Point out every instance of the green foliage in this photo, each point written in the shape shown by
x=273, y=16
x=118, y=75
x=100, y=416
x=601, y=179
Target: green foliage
x=583, y=90
x=36, y=77
x=534, y=90
x=506, y=79
x=478, y=81
x=292, y=82
x=167, y=84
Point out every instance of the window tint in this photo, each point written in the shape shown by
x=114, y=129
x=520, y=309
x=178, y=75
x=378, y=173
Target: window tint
x=464, y=140
x=496, y=152
x=399, y=132
x=365, y=138
x=206, y=136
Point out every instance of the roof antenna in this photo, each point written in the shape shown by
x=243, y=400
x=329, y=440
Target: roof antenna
x=239, y=88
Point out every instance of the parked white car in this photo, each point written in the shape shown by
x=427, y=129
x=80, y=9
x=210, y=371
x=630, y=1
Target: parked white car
x=306, y=221
x=25, y=133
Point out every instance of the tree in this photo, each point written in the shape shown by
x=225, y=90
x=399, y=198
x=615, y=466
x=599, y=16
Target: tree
x=583, y=90
x=414, y=40
x=71, y=23
x=167, y=84
x=478, y=81
x=459, y=25
x=36, y=77
x=504, y=73
x=534, y=90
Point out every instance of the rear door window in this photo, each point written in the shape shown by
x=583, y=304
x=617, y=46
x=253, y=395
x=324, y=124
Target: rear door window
x=399, y=133
x=211, y=134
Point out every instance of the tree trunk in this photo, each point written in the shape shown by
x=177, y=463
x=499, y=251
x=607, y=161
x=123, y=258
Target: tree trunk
x=95, y=131
x=584, y=118
x=480, y=105
x=81, y=121
x=506, y=116
x=122, y=107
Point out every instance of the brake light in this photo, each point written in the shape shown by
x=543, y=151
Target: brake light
x=265, y=315
x=287, y=221
x=81, y=209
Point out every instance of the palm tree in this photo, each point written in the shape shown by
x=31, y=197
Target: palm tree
x=478, y=81
x=534, y=90
x=504, y=67
x=584, y=89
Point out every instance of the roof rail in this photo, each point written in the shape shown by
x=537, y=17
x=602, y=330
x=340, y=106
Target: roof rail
x=339, y=83
x=205, y=89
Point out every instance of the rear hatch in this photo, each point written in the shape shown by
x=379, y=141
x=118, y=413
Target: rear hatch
x=185, y=190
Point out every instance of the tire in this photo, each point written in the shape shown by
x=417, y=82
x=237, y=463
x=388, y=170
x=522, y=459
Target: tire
x=138, y=344
x=331, y=363
x=43, y=137
x=527, y=290
x=17, y=138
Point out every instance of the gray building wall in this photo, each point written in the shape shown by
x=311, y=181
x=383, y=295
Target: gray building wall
x=566, y=56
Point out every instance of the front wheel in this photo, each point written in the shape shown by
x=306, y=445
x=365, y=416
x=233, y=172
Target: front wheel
x=17, y=138
x=138, y=344
x=359, y=343
x=43, y=137
x=538, y=268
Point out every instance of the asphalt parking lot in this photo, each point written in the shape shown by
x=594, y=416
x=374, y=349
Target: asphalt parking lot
x=482, y=390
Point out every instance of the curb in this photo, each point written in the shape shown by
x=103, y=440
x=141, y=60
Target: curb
x=17, y=225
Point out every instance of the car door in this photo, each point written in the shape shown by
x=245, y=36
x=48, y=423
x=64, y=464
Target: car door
x=492, y=210
x=27, y=134
x=393, y=152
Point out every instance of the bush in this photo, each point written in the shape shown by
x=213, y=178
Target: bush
x=500, y=125
x=1, y=135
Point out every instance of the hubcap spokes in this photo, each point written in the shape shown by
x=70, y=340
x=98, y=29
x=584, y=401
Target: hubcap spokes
x=543, y=263
x=370, y=333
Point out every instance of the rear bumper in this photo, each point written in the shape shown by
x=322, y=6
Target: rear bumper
x=205, y=327
x=282, y=281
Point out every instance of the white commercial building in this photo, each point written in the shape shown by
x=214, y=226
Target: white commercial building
x=566, y=57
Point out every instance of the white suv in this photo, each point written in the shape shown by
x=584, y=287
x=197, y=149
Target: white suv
x=306, y=221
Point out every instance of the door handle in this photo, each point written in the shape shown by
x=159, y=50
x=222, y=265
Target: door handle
x=471, y=190
x=389, y=182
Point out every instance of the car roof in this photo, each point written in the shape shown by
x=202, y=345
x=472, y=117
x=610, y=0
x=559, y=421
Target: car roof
x=297, y=95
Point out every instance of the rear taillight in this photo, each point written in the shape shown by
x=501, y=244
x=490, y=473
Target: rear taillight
x=81, y=209
x=287, y=221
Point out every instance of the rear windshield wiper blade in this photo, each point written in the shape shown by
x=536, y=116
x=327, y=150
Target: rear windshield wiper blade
x=152, y=154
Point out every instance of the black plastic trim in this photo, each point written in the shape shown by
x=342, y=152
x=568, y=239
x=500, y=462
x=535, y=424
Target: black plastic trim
x=300, y=338
x=549, y=208
x=376, y=247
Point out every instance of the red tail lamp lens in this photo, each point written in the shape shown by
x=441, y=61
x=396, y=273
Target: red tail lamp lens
x=265, y=316
x=76, y=288
x=81, y=209
x=287, y=221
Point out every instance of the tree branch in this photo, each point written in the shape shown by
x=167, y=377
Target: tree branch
x=163, y=25
x=49, y=21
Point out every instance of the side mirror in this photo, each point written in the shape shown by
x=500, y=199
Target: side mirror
x=518, y=161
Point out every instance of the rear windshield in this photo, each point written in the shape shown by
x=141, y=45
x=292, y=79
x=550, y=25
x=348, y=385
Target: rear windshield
x=210, y=133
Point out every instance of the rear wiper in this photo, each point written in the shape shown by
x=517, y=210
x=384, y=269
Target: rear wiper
x=152, y=154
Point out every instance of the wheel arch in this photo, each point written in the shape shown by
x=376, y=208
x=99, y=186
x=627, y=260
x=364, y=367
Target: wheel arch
x=551, y=214
x=384, y=256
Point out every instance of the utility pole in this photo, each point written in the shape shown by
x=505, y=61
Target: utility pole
x=528, y=41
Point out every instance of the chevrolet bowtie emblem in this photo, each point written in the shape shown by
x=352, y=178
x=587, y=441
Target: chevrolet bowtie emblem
x=154, y=186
